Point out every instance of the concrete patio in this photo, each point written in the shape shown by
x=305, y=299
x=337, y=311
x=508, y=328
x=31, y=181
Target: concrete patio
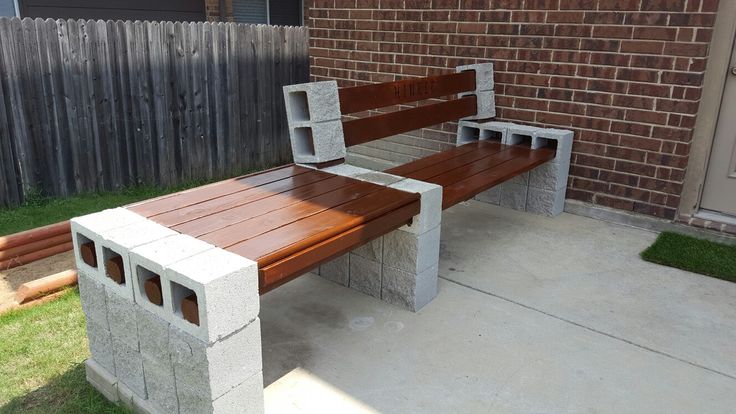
x=533, y=315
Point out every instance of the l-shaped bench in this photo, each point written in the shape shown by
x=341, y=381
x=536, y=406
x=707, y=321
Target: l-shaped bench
x=170, y=286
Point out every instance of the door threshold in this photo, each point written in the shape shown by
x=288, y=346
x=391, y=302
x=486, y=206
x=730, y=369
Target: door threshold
x=716, y=216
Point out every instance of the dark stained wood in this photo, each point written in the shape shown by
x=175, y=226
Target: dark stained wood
x=186, y=198
x=364, y=130
x=405, y=169
x=379, y=95
x=190, y=309
x=88, y=253
x=461, y=161
x=115, y=270
x=152, y=287
x=289, y=268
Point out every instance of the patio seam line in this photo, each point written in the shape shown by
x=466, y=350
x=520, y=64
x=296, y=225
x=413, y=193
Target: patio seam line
x=590, y=329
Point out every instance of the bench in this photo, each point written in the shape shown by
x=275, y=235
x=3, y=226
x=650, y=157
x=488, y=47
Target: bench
x=170, y=286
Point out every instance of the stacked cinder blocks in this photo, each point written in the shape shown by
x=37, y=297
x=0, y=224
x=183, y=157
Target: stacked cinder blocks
x=400, y=267
x=315, y=125
x=541, y=190
x=172, y=321
x=486, y=100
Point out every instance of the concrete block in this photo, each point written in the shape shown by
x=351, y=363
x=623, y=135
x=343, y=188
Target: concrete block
x=160, y=385
x=490, y=196
x=214, y=369
x=513, y=196
x=469, y=131
x=122, y=319
x=409, y=290
x=94, y=299
x=430, y=214
x=246, y=398
x=411, y=252
x=125, y=396
x=226, y=287
x=153, y=335
x=313, y=101
x=380, y=178
x=520, y=180
x=129, y=367
x=101, y=379
x=483, y=75
x=365, y=275
x=91, y=227
x=100, y=346
x=545, y=202
x=373, y=250
x=559, y=138
x=337, y=270
x=549, y=176
x=520, y=135
x=485, y=105
x=119, y=242
x=142, y=406
x=151, y=259
x=317, y=142
x=346, y=170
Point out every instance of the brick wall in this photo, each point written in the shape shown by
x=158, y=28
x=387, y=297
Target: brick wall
x=625, y=75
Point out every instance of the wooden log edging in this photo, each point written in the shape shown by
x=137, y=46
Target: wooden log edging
x=35, y=244
x=46, y=285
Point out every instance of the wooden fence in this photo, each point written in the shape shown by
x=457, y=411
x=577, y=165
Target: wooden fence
x=98, y=105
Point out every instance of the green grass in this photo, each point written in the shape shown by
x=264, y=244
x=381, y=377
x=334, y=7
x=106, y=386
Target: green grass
x=40, y=211
x=696, y=255
x=42, y=350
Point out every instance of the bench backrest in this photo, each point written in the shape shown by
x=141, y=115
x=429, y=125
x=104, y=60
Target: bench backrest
x=315, y=110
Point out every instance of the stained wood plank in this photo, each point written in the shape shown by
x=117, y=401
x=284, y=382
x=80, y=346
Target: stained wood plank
x=379, y=95
x=408, y=168
x=461, y=161
x=362, y=130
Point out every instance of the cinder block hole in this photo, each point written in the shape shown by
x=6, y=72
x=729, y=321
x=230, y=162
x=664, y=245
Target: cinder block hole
x=468, y=134
x=114, y=268
x=547, y=143
x=185, y=303
x=303, y=141
x=521, y=139
x=299, y=105
x=87, y=250
x=490, y=135
x=149, y=284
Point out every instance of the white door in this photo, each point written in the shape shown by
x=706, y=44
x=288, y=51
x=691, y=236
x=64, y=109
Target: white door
x=719, y=192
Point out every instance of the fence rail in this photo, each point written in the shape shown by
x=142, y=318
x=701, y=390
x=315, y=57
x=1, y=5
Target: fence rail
x=98, y=105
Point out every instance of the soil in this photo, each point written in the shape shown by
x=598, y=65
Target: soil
x=11, y=279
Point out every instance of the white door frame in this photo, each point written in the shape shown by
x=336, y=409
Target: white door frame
x=717, y=71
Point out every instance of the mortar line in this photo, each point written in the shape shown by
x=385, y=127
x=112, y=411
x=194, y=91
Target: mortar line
x=644, y=347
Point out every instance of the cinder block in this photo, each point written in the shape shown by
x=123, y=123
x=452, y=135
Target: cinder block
x=545, y=202
x=483, y=75
x=153, y=335
x=430, y=214
x=347, y=170
x=520, y=135
x=469, y=131
x=380, y=178
x=126, y=396
x=101, y=379
x=119, y=242
x=317, y=142
x=485, y=105
x=129, y=367
x=373, y=250
x=213, y=369
x=143, y=406
x=520, y=180
x=483, y=89
x=94, y=299
x=411, y=252
x=226, y=289
x=160, y=385
x=89, y=229
x=246, y=398
x=560, y=138
x=152, y=259
x=549, y=176
x=313, y=101
x=490, y=196
x=122, y=319
x=365, y=275
x=100, y=346
x=409, y=290
x=513, y=196
x=337, y=270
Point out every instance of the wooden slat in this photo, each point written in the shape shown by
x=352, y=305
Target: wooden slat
x=198, y=195
x=405, y=169
x=274, y=245
x=366, y=97
x=291, y=267
x=364, y=130
x=259, y=218
x=286, y=187
x=466, y=188
x=231, y=218
x=459, y=162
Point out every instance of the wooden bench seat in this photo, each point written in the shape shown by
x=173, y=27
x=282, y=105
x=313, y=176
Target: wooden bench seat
x=288, y=219
x=469, y=169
